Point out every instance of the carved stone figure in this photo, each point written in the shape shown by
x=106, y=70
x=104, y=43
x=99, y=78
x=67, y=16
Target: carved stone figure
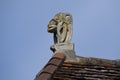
x=61, y=27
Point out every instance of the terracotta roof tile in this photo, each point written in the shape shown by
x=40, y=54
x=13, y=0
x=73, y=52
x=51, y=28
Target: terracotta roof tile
x=59, y=55
x=55, y=61
x=49, y=70
x=43, y=76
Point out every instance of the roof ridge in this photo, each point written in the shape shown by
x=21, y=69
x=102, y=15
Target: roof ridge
x=98, y=61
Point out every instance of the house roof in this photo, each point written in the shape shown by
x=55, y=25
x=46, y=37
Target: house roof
x=58, y=68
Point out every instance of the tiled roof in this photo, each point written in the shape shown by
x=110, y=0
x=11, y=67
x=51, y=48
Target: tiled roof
x=86, y=69
x=51, y=67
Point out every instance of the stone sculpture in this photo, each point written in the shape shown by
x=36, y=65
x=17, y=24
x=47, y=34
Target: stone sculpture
x=61, y=27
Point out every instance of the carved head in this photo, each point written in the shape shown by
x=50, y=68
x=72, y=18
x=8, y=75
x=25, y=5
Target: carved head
x=61, y=26
x=58, y=20
x=52, y=26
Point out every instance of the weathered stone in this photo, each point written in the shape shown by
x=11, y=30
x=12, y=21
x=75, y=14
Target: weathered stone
x=61, y=27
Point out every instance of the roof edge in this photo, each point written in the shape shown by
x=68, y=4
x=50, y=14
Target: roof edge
x=51, y=67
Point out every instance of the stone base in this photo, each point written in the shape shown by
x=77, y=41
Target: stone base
x=67, y=49
x=61, y=46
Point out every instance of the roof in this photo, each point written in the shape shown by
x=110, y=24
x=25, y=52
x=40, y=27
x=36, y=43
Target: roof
x=58, y=68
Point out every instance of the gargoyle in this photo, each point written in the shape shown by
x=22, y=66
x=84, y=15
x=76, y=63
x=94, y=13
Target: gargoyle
x=61, y=27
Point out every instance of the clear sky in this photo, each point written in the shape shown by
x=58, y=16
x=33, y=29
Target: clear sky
x=24, y=41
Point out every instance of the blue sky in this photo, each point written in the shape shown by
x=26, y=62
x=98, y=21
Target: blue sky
x=25, y=43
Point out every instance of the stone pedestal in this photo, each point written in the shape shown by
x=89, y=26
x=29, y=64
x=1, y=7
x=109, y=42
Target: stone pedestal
x=67, y=49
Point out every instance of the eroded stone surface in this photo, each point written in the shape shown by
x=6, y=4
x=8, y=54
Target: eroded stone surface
x=61, y=27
